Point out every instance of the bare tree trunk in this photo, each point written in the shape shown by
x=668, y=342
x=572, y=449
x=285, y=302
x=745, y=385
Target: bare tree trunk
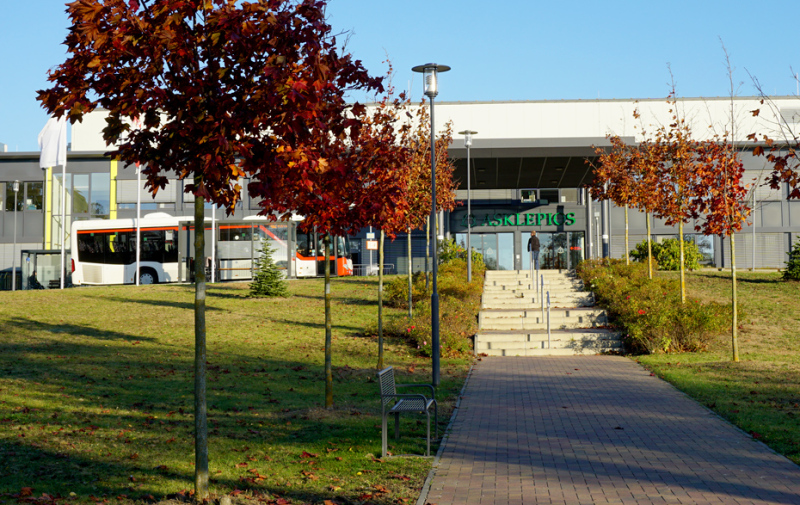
x=627, y=247
x=380, y=303
x=328, y=352
x=735, y=327
x=683, y=273
x=410, y=279
x=649, y=247
x=200, y=408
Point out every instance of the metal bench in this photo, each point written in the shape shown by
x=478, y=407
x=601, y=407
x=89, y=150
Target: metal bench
x=394, y=403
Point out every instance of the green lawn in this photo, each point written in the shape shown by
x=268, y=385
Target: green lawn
x=96, y=395
x=761, y=393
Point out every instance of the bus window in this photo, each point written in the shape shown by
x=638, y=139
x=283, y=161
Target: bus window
x=342, y=247
x=305, y=244
x=91, y=247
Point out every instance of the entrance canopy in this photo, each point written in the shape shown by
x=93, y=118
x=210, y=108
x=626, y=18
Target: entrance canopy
x=527, y=163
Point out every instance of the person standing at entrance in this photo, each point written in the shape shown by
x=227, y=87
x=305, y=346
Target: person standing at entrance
x=533, y=246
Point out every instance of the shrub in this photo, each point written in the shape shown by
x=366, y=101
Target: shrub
x=667, y=254
x=459, y=303
x=792, y=272
x=450, y=250
x=650, y=312
x=268, y=280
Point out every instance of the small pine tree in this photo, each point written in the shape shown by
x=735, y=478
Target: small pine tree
x=269, y=280
x=792, y=272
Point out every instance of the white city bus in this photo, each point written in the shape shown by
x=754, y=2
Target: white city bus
x=104, y=251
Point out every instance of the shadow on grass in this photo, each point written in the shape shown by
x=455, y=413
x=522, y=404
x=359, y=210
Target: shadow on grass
x=110, y=420
x=161, y=303
x=17, y=323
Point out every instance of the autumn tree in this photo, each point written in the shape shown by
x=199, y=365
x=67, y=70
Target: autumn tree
x=782, y=149
x=626, y=174
x=723, y=205
x=414, y=139
x=418, y=142
x=223, y=91
x=676, y=184
x=614, y=178
x=374, y=166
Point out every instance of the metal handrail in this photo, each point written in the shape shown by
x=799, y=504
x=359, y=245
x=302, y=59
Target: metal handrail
x=542, y=293
x=548, y=319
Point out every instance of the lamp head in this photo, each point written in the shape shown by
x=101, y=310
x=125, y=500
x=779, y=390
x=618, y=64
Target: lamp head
x=467, y=137
x=430, y=73
x=15, y=186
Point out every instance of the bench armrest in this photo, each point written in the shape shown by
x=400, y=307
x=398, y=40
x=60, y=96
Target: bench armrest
x=421, y=397
x=433, y=391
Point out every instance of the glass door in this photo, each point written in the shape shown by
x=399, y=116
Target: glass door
x=576, y=248
x=554, y=252
x=497, y=248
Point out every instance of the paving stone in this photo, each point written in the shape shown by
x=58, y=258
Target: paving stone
x=598, y=429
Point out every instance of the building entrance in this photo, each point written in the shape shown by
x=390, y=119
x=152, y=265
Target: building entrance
x=562, y=250
x=497, y=248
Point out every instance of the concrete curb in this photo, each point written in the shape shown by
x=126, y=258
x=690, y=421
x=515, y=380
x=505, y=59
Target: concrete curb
x=423, y=495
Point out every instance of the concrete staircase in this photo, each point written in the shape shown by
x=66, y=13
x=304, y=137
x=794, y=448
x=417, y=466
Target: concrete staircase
x=513, y=321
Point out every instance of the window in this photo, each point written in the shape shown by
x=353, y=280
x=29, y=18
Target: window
x=547, y=196
x=34, y=195
x=119, y=247
x=569, y=195
x=90, y=194
x=9, y=192
x=29, y=196
x=100, y=195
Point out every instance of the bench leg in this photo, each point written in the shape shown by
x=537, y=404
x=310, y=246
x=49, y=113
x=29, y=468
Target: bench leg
x=436, y=419
x=428, y=437
x=396, y=425
x=384, y=435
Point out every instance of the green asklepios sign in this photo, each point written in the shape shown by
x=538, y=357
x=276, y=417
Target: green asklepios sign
x=532, y=219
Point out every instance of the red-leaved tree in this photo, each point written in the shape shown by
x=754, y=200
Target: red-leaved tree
x=722, y=203
x=224, y=91
x=615, y=178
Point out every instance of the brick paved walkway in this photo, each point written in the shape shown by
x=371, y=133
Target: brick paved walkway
x=597, y=430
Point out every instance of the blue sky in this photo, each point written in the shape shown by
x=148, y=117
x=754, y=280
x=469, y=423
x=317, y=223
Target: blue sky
x=501, y=50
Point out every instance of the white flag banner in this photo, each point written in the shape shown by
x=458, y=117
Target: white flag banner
x=53, y=143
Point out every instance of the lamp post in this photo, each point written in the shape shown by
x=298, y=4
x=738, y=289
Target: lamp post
x=431, y=89
x=15, y=187
x=468, y=143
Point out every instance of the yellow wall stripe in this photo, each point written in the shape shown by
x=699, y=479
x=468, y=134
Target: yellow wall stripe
x=48, y=209
x=112, y=205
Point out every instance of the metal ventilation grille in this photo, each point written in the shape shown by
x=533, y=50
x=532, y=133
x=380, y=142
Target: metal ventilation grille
x=93, y=274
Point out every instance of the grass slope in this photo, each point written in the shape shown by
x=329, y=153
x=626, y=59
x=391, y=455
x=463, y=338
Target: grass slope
x=761, y=393
x=96, y=395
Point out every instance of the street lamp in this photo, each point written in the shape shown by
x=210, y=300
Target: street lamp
x=15, y=187
x=468, y=143
x=431, y=89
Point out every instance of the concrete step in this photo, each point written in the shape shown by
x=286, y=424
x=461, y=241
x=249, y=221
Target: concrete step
x=534, y=303
x=553, y=288
x=511, y=294
x=537, y=343
x=531, y=319
x=522, y=273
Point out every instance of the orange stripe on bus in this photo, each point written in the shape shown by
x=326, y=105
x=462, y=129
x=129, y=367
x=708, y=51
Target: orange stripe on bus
x=174, y=228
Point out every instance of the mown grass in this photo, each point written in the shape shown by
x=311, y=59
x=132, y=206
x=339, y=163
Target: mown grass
x=96, y=395
x=761, y=393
